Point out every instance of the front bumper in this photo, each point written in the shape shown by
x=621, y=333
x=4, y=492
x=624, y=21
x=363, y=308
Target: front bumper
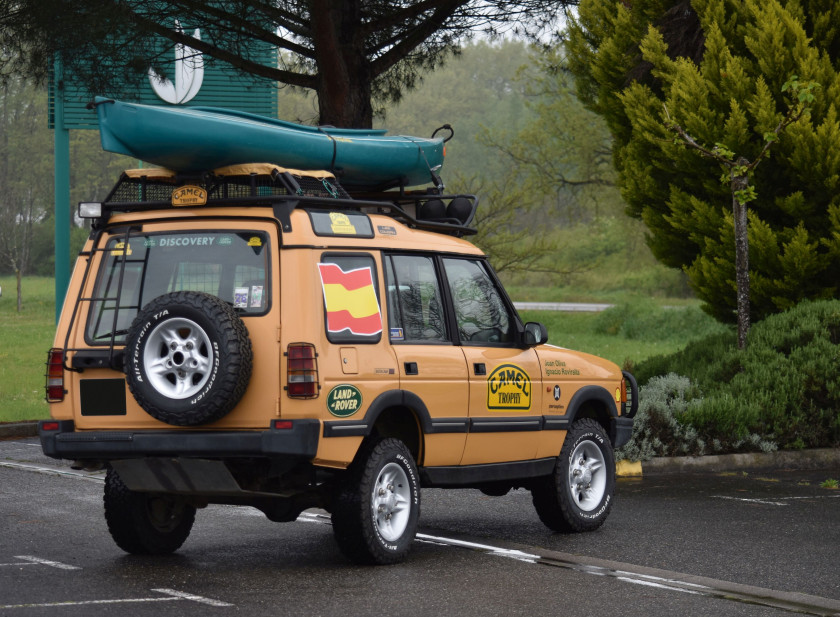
x=63, y=441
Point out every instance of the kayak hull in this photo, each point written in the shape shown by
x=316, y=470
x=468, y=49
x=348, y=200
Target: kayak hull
x=200, y=138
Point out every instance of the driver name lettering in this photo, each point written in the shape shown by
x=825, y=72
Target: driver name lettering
x=558, y=367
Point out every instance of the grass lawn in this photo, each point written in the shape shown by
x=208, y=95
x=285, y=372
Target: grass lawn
x=576, y=331
x=25, y=338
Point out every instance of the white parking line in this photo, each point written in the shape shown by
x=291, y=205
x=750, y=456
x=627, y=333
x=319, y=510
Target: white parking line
x=172, y=596
x=194, y=598
x=47, y=562
x=776, y=501
x=53, y=471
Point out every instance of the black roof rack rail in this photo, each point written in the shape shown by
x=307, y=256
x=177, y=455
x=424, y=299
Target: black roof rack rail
x=146, y=190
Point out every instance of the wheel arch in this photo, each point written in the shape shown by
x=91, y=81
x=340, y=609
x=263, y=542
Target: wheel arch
x=597, y=403
x=401, y=415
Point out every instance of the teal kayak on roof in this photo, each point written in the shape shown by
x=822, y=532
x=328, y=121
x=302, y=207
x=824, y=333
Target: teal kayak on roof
x=200, y=138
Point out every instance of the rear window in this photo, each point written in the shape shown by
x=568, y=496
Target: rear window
x=232, y=265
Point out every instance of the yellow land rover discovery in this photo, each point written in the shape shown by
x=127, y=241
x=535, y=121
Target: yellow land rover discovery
x=256, y=336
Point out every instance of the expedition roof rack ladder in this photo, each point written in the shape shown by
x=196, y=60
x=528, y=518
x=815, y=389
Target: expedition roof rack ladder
x=116, y=299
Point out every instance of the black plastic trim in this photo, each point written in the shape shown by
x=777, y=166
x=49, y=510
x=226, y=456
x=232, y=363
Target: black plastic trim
x=473, y=475
x=301, y=441
x=634, y=396
x=553, y=423
x=621, y=430
x=96, y=358
x=506, y=425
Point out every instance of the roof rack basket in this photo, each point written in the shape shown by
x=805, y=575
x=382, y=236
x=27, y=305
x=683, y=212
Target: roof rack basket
x=265, y=184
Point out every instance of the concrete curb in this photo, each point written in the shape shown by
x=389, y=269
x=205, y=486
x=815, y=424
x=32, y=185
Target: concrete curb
x=822, y=458
x=19, y=429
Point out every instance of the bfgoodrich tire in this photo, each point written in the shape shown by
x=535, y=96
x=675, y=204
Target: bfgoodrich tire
x=188, y=358
x=377, y=506
x=145, y=523
x=578, y=496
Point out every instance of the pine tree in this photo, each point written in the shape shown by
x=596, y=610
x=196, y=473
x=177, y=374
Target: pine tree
x=718, y=68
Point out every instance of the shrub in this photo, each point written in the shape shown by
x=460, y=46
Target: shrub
x=657, y=429
x=783, y=389
x=664, y=427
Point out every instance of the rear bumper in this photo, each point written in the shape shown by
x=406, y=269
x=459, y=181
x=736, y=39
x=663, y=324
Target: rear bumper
x=299, y=441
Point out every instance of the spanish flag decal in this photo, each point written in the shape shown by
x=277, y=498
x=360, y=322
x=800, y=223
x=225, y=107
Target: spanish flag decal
x=350, y=299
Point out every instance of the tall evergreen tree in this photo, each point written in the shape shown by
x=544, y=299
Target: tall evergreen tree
x=718, y=67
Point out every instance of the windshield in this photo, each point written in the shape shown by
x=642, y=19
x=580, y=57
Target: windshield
x=232, y=265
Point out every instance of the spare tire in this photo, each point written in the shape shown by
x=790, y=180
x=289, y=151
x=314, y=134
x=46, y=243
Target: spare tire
x=188, y=358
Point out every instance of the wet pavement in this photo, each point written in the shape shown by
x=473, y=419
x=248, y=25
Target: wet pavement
x=742, y=543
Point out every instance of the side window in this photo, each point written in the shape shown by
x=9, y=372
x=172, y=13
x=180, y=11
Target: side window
x=480, y=311
x=415, y=306
x=351, y=298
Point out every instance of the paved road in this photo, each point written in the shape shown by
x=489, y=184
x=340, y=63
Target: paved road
x=757, y=545
x=568, y=307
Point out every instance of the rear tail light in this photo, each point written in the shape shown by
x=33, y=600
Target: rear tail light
x=302, y=371
x=55, y=375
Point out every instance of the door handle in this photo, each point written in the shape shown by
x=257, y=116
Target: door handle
x=411, y=368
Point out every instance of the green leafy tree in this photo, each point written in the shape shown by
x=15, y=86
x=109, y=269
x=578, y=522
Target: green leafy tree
x=716, y=69
x=563, y=151
x=24, y=193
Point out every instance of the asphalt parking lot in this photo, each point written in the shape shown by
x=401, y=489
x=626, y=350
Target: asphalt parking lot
x=724, y=543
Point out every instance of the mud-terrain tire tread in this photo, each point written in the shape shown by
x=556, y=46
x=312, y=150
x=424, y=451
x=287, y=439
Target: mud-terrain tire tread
x=353, y=524
x=129, y=525
x=551, y=496
x=220, y=322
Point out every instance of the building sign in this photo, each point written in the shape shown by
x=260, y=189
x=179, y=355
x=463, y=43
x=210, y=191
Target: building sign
x=191, y=80
x=189, y=74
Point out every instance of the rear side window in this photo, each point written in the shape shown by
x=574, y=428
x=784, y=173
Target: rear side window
x=230, y=265
x=352, y=312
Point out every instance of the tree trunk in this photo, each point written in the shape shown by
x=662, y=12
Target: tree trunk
x=345, y=84
x=742, y=255
x=18, y=277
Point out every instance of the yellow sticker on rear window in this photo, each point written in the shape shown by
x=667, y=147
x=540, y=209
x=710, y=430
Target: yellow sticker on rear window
x=341, y=224
x=118, y=249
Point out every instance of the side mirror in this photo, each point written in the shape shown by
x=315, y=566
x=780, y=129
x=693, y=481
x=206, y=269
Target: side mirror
x=535, y=334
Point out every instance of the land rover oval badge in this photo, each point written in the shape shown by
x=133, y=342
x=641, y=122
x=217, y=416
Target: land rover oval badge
x=344, y=400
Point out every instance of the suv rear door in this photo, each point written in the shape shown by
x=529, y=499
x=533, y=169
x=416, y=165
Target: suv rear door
x=430, y=364
x=229, y=259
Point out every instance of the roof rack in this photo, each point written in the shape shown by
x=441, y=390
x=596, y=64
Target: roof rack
x=266, y=184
